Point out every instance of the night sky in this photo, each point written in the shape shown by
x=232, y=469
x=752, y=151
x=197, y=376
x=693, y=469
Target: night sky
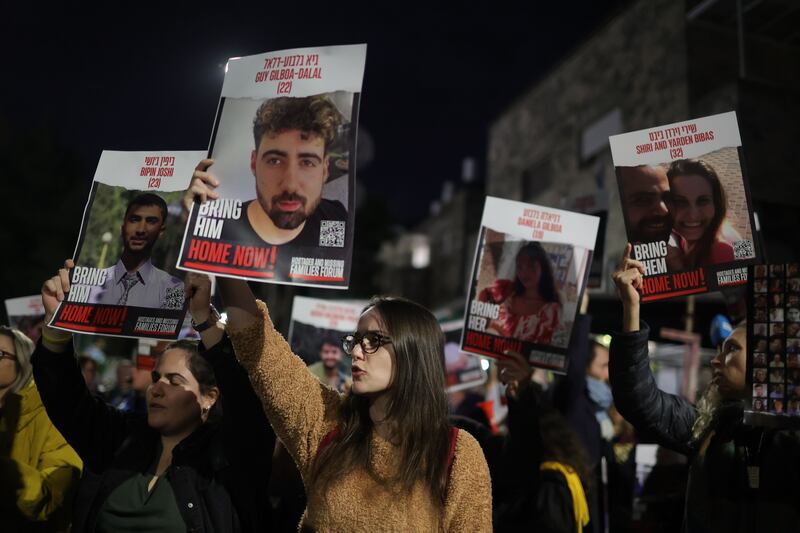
x=80, y=80
x=143, y=79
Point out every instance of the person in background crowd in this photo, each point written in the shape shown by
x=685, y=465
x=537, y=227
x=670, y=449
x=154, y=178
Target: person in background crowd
x=547, y=458
x=183, y=466
x=583, y=397
x=383, y=455
x=123, y=396
x=741, y=478
x=329, y=367
x=88, y=368
x=39, y=471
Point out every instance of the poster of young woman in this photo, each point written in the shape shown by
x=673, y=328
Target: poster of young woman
x=773, y=345
x=124, y=282
x=686, y=205
x=528, y=277
x=283, y=145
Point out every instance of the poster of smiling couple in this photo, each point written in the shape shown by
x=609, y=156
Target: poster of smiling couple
x=686, y=205
x=124, y=282
x=283, y=146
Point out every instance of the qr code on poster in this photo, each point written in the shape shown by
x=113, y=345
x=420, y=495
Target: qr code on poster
x=331, y=233
x=743, y=249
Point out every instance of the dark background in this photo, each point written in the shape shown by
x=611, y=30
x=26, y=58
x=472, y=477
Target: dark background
x=78, y=80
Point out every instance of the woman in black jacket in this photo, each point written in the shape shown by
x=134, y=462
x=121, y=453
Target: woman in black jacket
x=741, y=478
x=545, y=460
x=177, y=469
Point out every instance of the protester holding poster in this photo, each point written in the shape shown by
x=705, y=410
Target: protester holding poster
x=315, y=334
x=184, y=466
x=686, y=205
x=529, y=274
x=383, y=456
x=282, y=147
x=124, y=281
x=742, y=477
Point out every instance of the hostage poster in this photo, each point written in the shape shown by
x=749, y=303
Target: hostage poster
x=26, y=314
x=315, y=334
x=773, y=341
x=124, y=282
x=529, y=273
x=283, y=146
x=686, y=205
x=462, y=370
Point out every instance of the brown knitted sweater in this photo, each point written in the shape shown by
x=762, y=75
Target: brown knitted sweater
x=302, y=411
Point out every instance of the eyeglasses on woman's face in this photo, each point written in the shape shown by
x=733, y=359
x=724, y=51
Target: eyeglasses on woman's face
x=369, y=341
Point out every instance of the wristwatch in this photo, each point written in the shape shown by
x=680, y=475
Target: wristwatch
x=212, y=319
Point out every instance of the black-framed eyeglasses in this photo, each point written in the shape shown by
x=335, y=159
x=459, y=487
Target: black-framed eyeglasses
x=369, y=342
x=7, y=355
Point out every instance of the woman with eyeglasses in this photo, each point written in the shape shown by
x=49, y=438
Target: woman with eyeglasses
x=382, y=457
x=182, y=466
x=38, y=469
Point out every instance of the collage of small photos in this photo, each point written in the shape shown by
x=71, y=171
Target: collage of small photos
x=775, y=339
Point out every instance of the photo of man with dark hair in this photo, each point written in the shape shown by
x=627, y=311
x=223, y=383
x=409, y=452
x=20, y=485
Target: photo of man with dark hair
x=329, y=367
x=290, y=163
x=133, y=280
x=645, y=194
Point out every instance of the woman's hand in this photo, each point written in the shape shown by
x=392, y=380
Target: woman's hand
x=628, y=279
x=515, y=372
x=54, y=291
x=201, y=187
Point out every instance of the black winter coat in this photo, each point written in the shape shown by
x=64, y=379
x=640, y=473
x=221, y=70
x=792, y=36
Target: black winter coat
x=719, y=497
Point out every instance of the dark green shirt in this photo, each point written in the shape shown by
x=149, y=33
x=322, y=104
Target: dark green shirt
x=131, y=508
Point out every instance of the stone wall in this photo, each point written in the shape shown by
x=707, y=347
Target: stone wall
x=637, y=64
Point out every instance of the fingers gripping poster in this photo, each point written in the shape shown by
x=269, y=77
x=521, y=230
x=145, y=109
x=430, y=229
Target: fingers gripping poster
x=284, y=149
x=124, y=282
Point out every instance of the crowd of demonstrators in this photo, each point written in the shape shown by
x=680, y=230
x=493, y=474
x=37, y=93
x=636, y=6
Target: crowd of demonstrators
x=39, y=471
x=741, y=478
x=183, y=466
x=381, y=449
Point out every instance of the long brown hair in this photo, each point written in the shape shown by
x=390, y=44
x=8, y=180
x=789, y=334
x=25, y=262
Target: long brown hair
x=547, y=283
x=416, y=407
x=697, y=167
